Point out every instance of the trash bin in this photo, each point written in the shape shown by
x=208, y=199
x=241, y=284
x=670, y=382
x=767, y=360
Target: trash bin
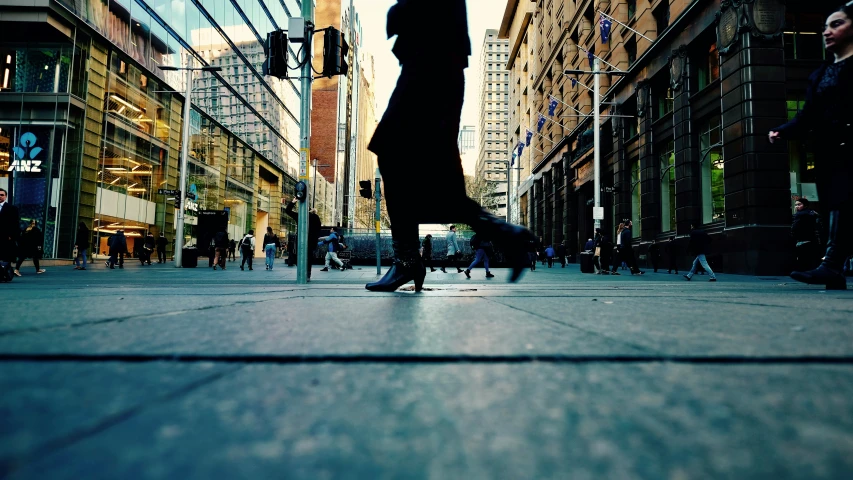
x=586, y=262
x=189, y=257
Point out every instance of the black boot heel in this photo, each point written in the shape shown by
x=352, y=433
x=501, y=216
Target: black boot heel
x=401, y=273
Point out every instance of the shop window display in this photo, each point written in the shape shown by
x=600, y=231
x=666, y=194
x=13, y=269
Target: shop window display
x=712, y=171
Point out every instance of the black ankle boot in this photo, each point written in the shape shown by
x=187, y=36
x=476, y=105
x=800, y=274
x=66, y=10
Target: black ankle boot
x=822, y=275
x=513, y=241
x=401, y=272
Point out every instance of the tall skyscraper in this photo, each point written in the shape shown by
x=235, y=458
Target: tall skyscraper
x=493, y=159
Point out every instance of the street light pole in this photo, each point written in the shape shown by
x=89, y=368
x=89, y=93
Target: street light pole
x=302, y=240
x=597, y=213
x=185, y=148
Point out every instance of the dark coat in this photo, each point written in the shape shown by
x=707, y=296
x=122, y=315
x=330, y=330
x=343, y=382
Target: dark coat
x=31, y=243
x=82, y=239
x=271, y=238
x=161, y=244
x=150, y=242
x=220, y=240
x=429, y=92
x=805, y=226
x=654, y=250
x=10, y=231
x=827, y=120
x=699, y=242
x=118, y=243
x=314, y=225
x=427, y=244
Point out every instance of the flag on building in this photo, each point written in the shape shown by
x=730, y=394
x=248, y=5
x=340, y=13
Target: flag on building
x=605, y=24
x=574, y=82
x=512, y=162
x=529, y=136
x=590, y=56
x=520, y=148
x=540, y=123
x=552, y=106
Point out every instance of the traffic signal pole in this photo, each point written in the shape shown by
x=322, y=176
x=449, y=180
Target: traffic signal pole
x=377, y=217
x=302, y=240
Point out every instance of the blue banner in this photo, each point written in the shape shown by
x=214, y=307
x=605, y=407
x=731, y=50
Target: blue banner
x=529, y=136
x=552, y=106
x=540, y=123
x=605, y=25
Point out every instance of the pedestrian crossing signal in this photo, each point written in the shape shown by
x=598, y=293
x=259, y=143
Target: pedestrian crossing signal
x=335, y=51
x=275, y=64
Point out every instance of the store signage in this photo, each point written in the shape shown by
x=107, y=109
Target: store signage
x=164, y=191
x=30, y=166
x=25, y=153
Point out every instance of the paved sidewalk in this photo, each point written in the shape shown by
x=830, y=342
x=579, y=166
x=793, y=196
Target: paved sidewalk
x=163, y=373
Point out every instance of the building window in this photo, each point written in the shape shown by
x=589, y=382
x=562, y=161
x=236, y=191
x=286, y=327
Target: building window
x=709, y=66
x=661, y=15
x=636, y=195
x=665, y=102
x=631, y=50
x=713, y=171
x=800, y=156
x=802, y=36
x=667, y=187
x=632, y=8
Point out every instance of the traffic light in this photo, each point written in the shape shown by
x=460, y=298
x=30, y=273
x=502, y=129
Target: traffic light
x=365, y=190
x=335, y=51
x=276, y=63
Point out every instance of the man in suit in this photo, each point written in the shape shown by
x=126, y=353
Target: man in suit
x=628, y=250
x=10, y=228
x=313, y=230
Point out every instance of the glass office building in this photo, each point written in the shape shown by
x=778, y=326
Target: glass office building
x=90, y=127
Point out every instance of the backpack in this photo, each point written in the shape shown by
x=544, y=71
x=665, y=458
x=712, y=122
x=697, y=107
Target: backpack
x=245, y=246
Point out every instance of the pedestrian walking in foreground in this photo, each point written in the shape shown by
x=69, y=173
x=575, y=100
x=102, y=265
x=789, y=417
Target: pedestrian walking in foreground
x=827, y=119
x=482, y=247
x=805, y=233
x=81, y=242
x=426, y=252
x=454, y=252
x=698, y=246
x=10, y=230
x=271, y=245
x=247, y=249
x=654, y=255
x=617, y=250
x=671, y=255
x=232, y=247
x=628, y=249
x=596, y=251
x=148, y=244
x=561, y=253
x=332, y=243
x=118, y=249
x=161, y=248
x=606, y=254
x=431, y=83
x=30, y=246
x=220, y=245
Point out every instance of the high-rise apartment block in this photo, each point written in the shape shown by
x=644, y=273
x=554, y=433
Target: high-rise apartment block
x=493, y=159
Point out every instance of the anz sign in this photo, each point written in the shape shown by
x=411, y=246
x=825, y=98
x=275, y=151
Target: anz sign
x=25, y=154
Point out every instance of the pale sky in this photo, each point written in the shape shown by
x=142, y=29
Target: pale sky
x=482, y=15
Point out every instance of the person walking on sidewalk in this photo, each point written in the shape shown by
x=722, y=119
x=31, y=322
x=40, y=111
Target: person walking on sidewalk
x=30, y=246
x=606, y=254
x=671, y=255
x=10, y=230
x=247, y=249
x=220, y=245
x=118, y=248
x=805, y=232
x=628, y=249
x=81, y=242
x=561, y=253
x=313, y=231
x=549, y=255
x=654, y=255
x=432, y=83
x=148, y=243
x=426, y=253
x=271, y=245
x=454, y=252
x=161, y=248
x=827, y=118
x=232, y=247
x=698, y=246
x=482, y=247
x=332, y=242
x=617, y=250
x=596, y=251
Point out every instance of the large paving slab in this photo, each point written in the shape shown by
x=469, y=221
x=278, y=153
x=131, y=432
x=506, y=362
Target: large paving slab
x=545, y=421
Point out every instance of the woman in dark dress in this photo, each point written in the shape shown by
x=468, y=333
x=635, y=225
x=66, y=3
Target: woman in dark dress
x=430, y=92
x=30, y=246
x=826, y=118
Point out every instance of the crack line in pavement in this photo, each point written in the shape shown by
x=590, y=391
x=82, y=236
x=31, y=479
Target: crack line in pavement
x=569, y=325
x=135, y=317
x=427, y=359
x=9, y=465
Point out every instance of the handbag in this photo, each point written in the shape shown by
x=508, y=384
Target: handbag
x=597, y=251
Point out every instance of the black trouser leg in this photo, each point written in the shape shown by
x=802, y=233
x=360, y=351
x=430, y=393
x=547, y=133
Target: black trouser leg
x=655, y=264
x=838, y=241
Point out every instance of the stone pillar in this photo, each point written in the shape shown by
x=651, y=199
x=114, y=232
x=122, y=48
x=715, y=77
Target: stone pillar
x=757, y=182
x=649, y=177
x=688, y=208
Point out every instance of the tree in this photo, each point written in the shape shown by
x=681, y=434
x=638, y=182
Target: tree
x=481, y=191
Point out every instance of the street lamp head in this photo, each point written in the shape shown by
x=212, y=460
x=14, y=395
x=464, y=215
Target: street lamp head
x=167, y=68
x=574, y=72
x=211, y=69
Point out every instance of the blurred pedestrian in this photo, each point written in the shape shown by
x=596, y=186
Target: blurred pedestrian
x=426, y=252
x=161, y=248
x=118, y=249
x=606, y=254
x=220, y=244
x=81, y=243
x=698, y=246
x=454, y=251
x=672, y=255
x=313, y=231
x=561, y=253
x=541, y=250
x=148, y=244
x=232, y=247
x=596, y=251
x=628, y=249
x=10, y=230
x=827, y=118
x=589, y=245
x=247, y=249
x=549, y=255
x=617, y=250
x=332, y=243
x=654, y=255
x=482, y=247
x=271, y=245
x=805, y=233
x=431, y=83
x=30, y=246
